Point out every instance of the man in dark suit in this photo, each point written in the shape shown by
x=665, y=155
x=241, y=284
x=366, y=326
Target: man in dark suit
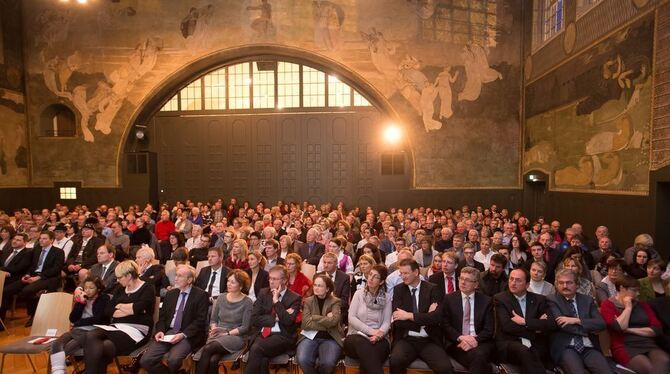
x=446, y=280
x=522, y=323
x=469, y=258
x=416, y=323
x=468, y=324
x=181, y=327
x=271, y=251
x=575, y=345
x=82, y=255
x=552, y=256
x=213, y=278
x=43, y=274
x=312, y=250
x=15, y=259
x=274, y=314
x=105, y=267
x=342, y=282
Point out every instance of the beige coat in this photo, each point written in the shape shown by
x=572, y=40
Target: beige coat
x=313, y=320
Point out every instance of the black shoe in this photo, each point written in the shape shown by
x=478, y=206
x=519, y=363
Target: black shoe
x=29, y=323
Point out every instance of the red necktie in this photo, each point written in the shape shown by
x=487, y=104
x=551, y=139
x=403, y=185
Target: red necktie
x=266, y=331
x=450, y=285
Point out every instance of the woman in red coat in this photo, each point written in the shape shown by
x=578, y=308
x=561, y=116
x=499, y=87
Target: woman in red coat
x=633, y=327
x=238, y=255
x=297, y=281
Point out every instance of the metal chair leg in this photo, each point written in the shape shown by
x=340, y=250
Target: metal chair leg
x=4, y=326
x=31, y=363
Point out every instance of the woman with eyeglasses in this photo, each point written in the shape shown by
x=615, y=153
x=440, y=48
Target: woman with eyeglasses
x=607, y=288
x=633, y=327
x=369, y=323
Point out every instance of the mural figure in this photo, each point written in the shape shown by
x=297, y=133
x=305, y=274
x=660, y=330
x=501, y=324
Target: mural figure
x=328, y=20
x=262, y=25
x=195, y=26
x=477, y=72
x=443, y=82
x=428, y=95
x=412, y=82
x=13, y=148
x=381, y=52
x=109, y=94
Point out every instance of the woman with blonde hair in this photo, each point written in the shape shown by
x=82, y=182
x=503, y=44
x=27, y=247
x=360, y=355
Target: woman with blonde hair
x=365, y=264
x=238, y=255
x=259, y=277
x=285, y=246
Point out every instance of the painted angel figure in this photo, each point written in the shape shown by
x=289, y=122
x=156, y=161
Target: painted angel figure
x=477, y=72
x=443, y=83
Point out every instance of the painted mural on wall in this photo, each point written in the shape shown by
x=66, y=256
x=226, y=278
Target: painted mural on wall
x=13, y=137
x=595, y=134
x=450, y=69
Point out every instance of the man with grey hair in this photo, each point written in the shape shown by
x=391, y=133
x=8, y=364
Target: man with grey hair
x=312, y=251
x=181, y=327
x=574, y=346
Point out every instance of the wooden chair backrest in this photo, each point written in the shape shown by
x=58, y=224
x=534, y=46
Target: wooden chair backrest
x=309, y=270
x=53, y=312
x=3, y=276
x=199, y=266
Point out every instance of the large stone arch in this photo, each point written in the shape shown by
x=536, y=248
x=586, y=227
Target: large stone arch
x=173, y=82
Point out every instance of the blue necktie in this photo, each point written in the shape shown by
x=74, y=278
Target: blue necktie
x=180, y=313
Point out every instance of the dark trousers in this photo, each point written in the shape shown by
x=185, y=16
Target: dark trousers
x=529, y=359
x=370, y=356
x=406, y=350
x=263, y=349
x=151, y=361
x=70, y=342
x=589, y=361
x=102, y=346
x=476, y=360
x=210, y=357
x=28, y=292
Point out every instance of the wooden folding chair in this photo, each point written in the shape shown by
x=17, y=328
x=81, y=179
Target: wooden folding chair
x=199, y=266
x=308, y=269
x=3, y=276
x=53, y=312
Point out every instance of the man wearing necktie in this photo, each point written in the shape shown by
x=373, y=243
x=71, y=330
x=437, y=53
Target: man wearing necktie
x=104, y=269
x=446, y=280
x=575, y=346
x=43, y=274
x=213, y=278
x=523, y=321
x=15, y=260
x=468, y=323
x=181, y=327
x=416, y=323
x=274, y=315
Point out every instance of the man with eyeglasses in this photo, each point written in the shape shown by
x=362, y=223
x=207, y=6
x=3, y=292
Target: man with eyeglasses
x=468, y=323
x=523, y=321
x=274, y=314
x=575, y=345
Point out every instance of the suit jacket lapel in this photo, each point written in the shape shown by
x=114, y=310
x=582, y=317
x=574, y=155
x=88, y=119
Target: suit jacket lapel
x=459, y=307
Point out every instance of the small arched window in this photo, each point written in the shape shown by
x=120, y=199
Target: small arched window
x=57, y=121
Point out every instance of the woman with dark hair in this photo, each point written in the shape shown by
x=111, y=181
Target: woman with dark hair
x=371, y=250
x=633, y=326
x=131, y=309
x=369, y=323
x=6, y=234
x=230, y=323
x=518, y=253
x=344, y=262
x=607, y=287
x=651, y=286
x=638, y=269
x=88, y=310
x=321, y=336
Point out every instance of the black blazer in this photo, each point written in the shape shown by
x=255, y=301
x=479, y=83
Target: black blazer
x=592, y=323
x=261, y=314
x=342, y=290
x=317, y=252
x=661, y=305
x=402, y=299
x=53, y=263
x=452, y=317
x=478, y=265
x=206, y=273
x=194, y=320
x=19, y=265
x=535, y=330
x=100, y=317
x=438, y=280
x=155, y=275
x=89, y=257
x=262, y=280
